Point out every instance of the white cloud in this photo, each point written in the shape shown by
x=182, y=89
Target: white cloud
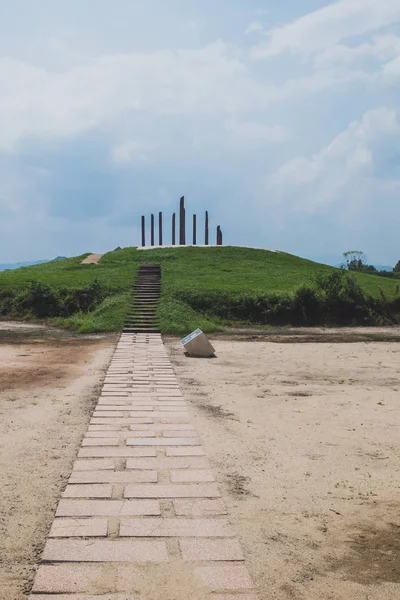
x=347, y=160
x=132, y=151
x=208, y=81
x=254, y=133
x=328, y=26
x=253, y=27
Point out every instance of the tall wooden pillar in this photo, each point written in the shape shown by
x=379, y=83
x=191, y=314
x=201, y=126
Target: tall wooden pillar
x=206, y=230
x=194, y=230
x=173, y=229
x=218, y=235
x=152, y=230
x=143, y=231
x=182, y=223
x=160, y=231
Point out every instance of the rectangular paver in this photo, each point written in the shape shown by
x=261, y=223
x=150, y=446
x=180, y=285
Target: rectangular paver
x=176, y=528
x=166, y=462
x=88, y=491
x=96, y=464
x=104, y=551
x=207, y=550
x=92, y=527
x=185, y=451
x=156, y=490
x=113, y=477
x=115, y=452
x=73, y=578
x=158, y=441
x=192, y=476
x=108, y=508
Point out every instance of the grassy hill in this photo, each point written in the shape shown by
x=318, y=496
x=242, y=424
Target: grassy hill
x=201, y=287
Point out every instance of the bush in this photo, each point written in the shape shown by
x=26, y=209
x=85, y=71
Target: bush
x=44, y=302
x=332, y=299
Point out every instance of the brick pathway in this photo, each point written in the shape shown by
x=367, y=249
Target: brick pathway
x=141, y=517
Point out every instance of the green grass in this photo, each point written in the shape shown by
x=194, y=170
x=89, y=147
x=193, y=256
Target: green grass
x=226, y=269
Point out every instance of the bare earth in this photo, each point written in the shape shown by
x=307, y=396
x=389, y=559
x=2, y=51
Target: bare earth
x=49, y=382
x=92, y=259
x=304, y=439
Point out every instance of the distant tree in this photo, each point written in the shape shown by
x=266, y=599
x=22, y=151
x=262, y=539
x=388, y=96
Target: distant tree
x=397, y=267
x=355, y=260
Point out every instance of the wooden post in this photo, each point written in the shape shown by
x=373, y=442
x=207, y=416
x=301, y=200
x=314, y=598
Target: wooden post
x=182, y=223
x=143, y=231
x=160, y=232
x=206, y=230
x=173, y=228
x=152, y=230
x=194, y=230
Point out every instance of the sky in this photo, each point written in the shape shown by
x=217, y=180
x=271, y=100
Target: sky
x=280, y=118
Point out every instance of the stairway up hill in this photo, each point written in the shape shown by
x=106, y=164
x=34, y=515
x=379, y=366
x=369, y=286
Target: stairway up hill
x=146, y=292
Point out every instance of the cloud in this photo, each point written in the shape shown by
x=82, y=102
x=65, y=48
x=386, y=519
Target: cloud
x=253, y=27
x=348, y=160
x=208, y=81
x=328, y=26
x=255, y=133
x=132, y=151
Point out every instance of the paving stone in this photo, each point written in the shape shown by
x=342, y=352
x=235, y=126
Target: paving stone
x=176, y=528
x=199, y=508
x=163, y=442
x=225, y=577
x=163, y=427
x=87, y=441
x=108, y=508
x=83, y=597
x=124, y=408
x=204, y=550
x=95, y=464
x=122, y=422
x=185, y=451
x=108, y=428
x=162, y=415
x=113, y=477
x=116, y=452
x=73, y=578
x=163, y=463
x=105, y=551
x=88, y=491
x=156, y=490
x=92, y=527
x=192, y=476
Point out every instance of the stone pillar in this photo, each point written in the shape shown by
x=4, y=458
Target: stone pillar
x=160, y=232
x=143, y=231
x=206, y=230
x=218, y=235
x=173, y=229
x=182, y=223
x=194, y=230
x=152, y=230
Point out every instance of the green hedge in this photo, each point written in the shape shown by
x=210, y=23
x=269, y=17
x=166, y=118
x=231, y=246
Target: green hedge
x=332, y=299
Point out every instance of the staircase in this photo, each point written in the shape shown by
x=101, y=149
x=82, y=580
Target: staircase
x=146, y=292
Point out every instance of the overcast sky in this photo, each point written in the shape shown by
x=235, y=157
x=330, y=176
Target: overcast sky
x=281, y=118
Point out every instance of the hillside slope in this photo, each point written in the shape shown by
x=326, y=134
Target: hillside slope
x=186, y=273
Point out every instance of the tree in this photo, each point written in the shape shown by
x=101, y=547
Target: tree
x=397, y=267
x=355, y=260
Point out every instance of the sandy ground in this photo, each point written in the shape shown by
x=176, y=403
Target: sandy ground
x=304, y=439
x=49, y=382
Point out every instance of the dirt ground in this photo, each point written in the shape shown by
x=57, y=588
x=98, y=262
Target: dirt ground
x=49, y=382
x=304, y=439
